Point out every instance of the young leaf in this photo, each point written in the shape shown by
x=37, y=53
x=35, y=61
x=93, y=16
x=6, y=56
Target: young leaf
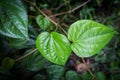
x=72, y=75
x=43, y=22
x=14, y=22
x=54, y=46
x=88, y=37
x=55, y=72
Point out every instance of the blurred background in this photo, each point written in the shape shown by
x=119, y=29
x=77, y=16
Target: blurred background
x=105, y=65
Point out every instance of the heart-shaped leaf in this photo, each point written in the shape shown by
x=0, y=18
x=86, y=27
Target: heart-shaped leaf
x=88, y=37
x=43, y=22
x=14, y=22
x=54, y=46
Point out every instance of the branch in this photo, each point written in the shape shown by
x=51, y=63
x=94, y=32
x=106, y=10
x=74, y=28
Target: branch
x=31, y=16
x=56, y=24
x=58, y=7
x=70, y=11
x=26, y=55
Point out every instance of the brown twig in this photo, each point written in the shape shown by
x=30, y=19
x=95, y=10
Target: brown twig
x=56, y=24
x=30, y=2
x=26, y=55
x=31, y=16
x=93, y=76
x=70, y=11
x=58, y=7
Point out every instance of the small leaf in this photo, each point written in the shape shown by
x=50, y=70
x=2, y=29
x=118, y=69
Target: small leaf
x=54, y=46
x=43, y=22
x=7, y=64
x=88, y=37
x=72, y=75
x=55, y=72
x=14, y=22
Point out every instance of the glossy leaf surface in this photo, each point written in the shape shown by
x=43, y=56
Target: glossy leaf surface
x=88, y=37
x=43, y=22
x=14, y=22
x=54, y=46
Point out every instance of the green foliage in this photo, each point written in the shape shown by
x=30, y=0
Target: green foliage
x=55, y=72
x=20, y=25
x=54, y=47
x=7, y=64
x=100, y=76
x=34, y=62
x=88, y=37
x=87, y=13
x=72, y=75
x=43, y=22
x=86, y=76
x=14, y=22
x=99, y=2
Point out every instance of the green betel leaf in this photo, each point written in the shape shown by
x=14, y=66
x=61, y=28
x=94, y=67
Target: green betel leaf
x=88, y=37
x=14, y=22
x=54, y=46
x=43, y=22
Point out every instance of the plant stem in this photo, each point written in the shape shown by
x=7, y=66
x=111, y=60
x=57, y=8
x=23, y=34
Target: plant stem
x=70, y=11
x=93, y=76
x=56, y=24
x=26, y=55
